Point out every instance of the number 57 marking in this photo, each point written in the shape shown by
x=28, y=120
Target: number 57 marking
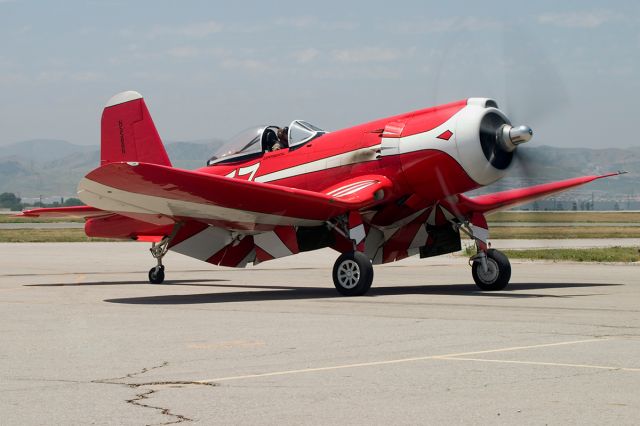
x=243, y=171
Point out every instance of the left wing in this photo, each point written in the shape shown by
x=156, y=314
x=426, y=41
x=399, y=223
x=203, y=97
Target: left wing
x=158, y=193
x=502, y=200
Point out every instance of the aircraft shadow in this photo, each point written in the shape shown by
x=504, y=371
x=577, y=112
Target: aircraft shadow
x=193, y=282
x=275, y=293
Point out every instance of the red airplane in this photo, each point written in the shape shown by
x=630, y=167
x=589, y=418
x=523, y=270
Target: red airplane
x=377, y=192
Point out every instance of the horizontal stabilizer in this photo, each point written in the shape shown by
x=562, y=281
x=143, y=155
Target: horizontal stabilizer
x=74, y=212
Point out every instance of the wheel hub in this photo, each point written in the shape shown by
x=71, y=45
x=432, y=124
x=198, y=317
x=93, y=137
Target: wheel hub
x=491, y=274
x=348, y=274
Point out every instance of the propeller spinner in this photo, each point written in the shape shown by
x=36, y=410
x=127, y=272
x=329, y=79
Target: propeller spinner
x=510, y=137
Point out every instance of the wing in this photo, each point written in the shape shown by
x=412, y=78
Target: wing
x=158, y=193
x=507, y=199
x=75, y=212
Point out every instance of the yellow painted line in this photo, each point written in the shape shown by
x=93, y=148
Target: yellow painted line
x=552, y=364
x=388, y=362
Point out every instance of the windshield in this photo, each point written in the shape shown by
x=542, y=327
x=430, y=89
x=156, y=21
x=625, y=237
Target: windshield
x=249, y=142
x=300, y=132
x=244, y=143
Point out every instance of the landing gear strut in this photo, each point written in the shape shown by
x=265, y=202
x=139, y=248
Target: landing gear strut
x=353, y=274
x=158, y=250
x=490, y=268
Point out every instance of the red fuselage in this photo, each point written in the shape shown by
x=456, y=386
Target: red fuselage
x=431, y=168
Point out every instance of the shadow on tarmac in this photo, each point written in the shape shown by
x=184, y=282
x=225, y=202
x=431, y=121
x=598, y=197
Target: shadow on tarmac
x=145, y=282
x=273, y=293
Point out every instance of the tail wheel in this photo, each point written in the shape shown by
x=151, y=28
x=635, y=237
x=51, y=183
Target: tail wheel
x=498, y=272
x=352, y=274
x=156, y=275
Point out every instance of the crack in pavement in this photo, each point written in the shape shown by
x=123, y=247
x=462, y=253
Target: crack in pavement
x=113, y=381
x=165, y=411
x=142, y=396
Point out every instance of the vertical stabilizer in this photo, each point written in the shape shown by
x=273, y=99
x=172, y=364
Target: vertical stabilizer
x=128, y=133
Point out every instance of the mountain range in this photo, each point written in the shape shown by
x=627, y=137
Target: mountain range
x=51, y=167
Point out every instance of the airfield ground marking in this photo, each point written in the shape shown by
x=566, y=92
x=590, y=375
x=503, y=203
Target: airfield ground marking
x=551, y=364
x=394, y=361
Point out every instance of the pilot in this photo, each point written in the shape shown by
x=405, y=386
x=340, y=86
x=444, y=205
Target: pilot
x=283, y=139
x=270, y=140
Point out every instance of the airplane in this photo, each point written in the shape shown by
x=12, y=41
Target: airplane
x=376, y=193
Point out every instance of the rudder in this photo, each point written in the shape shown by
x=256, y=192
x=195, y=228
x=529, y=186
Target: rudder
x=128, y=133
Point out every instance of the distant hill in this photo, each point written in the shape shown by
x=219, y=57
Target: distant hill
x=54, y=167
x=540, y=164
x=41, y=150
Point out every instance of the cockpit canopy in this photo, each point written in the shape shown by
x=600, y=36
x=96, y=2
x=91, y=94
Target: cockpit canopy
x=250, y=142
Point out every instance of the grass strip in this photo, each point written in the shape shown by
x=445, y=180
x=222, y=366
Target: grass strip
x=600, y=254
x=47, y=236
x=564, y=232
x=568, y=217
x=6, y=218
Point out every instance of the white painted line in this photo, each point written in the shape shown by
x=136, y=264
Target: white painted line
x=389, y=362
x=518, y=348
x=552, y=364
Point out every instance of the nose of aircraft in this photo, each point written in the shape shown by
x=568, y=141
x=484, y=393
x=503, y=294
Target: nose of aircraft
x=510, y=137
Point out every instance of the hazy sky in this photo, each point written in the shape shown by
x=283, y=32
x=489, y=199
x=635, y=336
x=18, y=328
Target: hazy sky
x=568, y=69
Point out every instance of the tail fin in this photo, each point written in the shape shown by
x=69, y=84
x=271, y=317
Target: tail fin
x=128, y=133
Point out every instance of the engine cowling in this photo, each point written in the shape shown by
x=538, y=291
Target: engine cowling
x=457, y=147
x=487, y=141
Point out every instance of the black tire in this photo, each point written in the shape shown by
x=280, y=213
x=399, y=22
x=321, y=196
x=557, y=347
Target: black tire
x=499, y=271
x=156, y=275
x=352, y=274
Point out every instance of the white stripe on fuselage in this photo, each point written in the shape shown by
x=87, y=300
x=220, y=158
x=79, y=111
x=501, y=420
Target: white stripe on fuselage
x=346, y=158
x=423, y=141
x=116, y=200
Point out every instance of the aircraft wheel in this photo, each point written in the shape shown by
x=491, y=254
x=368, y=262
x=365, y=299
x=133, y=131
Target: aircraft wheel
x=156, y=275
x=352, y=274
x=498, y=271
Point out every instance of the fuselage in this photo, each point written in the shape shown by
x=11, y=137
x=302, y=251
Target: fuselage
x=430, y=154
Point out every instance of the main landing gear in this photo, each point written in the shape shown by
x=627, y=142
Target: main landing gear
x=491, y=270
x=158, y=250
x=352, y=274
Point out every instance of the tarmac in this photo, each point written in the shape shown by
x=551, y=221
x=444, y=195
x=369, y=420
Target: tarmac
x=84, y=339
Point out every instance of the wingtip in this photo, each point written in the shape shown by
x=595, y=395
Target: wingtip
x=618, y=173
x=123, y=97
x=25, y=213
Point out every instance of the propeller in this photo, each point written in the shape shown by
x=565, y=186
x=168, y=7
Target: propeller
x=534, y=90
